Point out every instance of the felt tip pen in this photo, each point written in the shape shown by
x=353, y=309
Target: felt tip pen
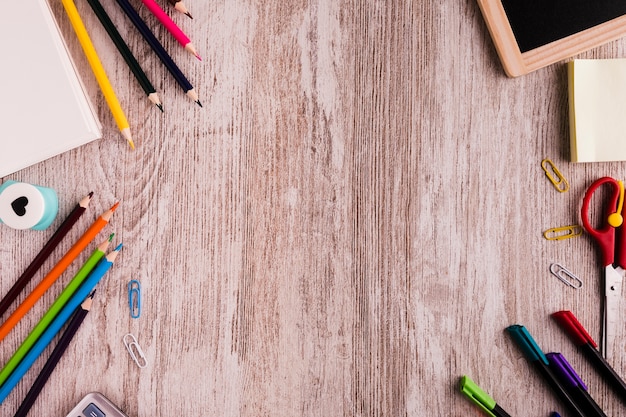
x=481, y=398
x=538, y=359
x=576, y=386
x=589, y=347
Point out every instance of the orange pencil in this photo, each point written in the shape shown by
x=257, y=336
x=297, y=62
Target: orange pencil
x=56, y=271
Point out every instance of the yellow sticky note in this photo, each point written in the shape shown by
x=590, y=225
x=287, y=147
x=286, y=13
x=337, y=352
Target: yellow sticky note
x=597, y=109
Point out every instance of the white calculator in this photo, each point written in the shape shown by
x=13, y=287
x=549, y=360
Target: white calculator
x=95, y=404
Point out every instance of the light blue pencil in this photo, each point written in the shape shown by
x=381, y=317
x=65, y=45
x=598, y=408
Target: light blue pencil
x=46, y=337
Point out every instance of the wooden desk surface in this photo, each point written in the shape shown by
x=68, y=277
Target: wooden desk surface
x=345, y=228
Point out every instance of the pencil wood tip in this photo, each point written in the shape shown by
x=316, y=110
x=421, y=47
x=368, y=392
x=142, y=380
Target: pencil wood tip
x=114, y=206
x=154, y=97
x=193, y=51
x=86, y=200
x=129, y=138
x=102, y=247
x=86, y=305
x=180, y=6
x=113, y=254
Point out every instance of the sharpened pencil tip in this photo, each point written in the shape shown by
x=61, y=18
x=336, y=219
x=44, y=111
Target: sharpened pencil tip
x=84, y=203
x=198, y=102
x=129, y=138
x=113, y=254
x=154, y=97
x=114, y=206
x=189, y=15
x=111, y=236
x=86, y=305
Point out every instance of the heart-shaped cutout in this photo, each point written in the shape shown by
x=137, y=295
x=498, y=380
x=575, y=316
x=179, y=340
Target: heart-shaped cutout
x=19, y=206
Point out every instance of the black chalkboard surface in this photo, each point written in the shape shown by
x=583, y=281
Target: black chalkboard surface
x=530, y=34
x=539, y=22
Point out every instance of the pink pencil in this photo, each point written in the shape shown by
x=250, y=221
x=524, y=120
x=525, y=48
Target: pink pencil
x=171, y=26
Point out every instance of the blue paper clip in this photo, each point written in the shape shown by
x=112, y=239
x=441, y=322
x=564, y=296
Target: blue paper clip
x=134, y=298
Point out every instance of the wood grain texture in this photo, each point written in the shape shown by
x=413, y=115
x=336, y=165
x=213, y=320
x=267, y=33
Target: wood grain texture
x=345, y=227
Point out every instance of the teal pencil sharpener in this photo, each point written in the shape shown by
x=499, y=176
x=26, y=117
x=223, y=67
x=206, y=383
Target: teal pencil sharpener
x=27, y=206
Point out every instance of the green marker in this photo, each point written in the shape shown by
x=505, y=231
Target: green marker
x=54, y=309
x=481, y=398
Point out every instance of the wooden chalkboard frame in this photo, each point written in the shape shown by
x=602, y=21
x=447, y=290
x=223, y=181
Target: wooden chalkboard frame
x=517, y=63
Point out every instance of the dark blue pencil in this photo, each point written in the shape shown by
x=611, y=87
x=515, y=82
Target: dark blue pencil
x=55, y=356
x=156, y=46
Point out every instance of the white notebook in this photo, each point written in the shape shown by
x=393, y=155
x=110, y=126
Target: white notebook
x=44, y=108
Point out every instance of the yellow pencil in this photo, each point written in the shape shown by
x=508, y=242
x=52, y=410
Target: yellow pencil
x=98, y=70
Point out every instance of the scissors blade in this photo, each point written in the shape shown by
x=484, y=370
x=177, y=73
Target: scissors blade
x=613, y=278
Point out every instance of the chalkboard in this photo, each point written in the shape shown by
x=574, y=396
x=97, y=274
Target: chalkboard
x=530, y=34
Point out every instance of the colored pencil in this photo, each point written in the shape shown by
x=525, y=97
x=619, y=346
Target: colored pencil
x=51, y=331
x=180, y=6
x=124, y=50
x=98, y=70
x=77, y=319
x=52, y=312
x=56, y=271
x=156, y=46
x=45, y=252
x=171, y=27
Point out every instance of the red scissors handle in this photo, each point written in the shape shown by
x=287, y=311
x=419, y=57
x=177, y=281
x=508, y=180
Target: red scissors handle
x=606, y=235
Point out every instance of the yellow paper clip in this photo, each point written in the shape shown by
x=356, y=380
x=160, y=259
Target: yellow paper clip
x=554, y=175
x=564, y=232
x=134, y=350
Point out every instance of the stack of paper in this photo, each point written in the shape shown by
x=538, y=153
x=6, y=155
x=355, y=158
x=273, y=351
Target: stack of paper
x=44, y=109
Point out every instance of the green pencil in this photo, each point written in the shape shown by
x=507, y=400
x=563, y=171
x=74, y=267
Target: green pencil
x=54, y=309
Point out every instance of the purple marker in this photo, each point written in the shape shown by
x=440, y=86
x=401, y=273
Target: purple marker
x=572, y=382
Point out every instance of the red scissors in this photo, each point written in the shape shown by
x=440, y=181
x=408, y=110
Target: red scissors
x=611, y=239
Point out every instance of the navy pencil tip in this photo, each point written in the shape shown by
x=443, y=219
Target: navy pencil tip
x=199, y=104
x=90, y=194
x=160, y=107
x=189, y=15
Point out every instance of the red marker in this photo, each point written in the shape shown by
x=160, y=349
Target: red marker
x=584, y=341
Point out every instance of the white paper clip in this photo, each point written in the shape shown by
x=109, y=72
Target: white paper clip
x=135, y=351
x=565, y=275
